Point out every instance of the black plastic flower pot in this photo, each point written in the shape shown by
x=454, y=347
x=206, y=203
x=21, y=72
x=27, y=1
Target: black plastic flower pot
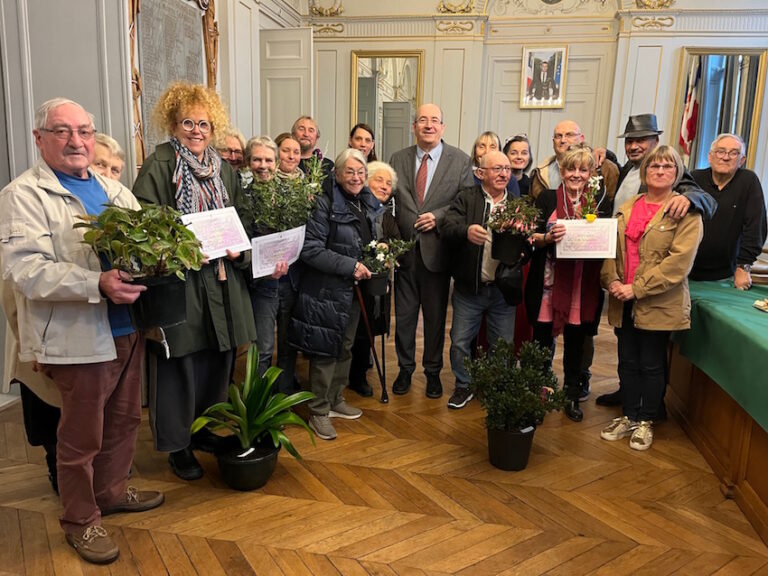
x=510, y=449
x=163, y=304
x=507, y=247
x=246, y=469
x=376, y=285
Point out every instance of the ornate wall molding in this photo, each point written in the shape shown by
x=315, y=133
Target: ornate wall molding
x=459, y=8
x=652, y=22
x=654, y=4
x=455, y=26
x=210, y=40
x=550, y=7
x=317, y=10
x=328, y=29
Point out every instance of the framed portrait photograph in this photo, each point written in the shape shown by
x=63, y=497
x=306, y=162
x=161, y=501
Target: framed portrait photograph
x=543, y=82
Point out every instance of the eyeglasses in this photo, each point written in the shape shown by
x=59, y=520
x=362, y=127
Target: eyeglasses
x=662, y=167
x=230, y=151
x=64, y=133
x=189, y=125
x=498, y=169
x=566, y=136
x=423, y=120
x=723, y=153
x=350, y=173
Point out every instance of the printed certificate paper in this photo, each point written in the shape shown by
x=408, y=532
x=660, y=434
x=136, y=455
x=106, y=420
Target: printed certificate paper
x=219, y=230
x=273, y=248
x=585, y=240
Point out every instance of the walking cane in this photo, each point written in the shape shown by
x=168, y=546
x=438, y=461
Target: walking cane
x=384, y=397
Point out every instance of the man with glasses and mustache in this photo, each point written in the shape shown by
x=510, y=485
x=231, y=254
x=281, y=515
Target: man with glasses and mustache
x=734, y=237
x=73, y=325
x=429, y=176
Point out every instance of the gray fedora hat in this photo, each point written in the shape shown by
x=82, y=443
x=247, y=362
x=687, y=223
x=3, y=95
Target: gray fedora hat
x=640, y=126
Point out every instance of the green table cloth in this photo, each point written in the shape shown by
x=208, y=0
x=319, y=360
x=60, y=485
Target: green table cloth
x=728, y=340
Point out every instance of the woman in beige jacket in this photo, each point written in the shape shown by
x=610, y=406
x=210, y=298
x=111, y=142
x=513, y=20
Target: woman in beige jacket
x=648, y=292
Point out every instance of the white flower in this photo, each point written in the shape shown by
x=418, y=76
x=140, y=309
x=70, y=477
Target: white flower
x=380, y=257
x=372, y=244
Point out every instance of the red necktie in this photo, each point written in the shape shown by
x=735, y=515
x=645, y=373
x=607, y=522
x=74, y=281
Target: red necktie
x=421, y=179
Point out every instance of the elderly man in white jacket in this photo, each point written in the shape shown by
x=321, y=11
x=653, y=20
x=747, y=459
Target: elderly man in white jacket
x=73, y=324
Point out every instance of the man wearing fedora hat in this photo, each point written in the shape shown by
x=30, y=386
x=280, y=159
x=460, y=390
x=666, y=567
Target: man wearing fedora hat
x=641, y=135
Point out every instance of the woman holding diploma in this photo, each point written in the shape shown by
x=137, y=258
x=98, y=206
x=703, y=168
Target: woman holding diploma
x=564, y=295
x=648, y=292
x=188, y=174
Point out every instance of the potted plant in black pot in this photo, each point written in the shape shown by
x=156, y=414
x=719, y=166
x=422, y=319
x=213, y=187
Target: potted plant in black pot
x=154, y=247
x=256, y=417
x=512, y=222
x=516, y=393
x=380, y=257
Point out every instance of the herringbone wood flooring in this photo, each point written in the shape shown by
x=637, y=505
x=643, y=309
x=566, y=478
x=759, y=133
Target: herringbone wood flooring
x=408, y=490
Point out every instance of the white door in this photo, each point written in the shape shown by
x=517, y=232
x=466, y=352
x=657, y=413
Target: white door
x=286, y=78
x=396, y=132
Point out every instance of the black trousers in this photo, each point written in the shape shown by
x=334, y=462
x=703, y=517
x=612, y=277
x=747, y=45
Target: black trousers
x=573, y=352
x=642, y=368
x=416, y=287
x=40, y=418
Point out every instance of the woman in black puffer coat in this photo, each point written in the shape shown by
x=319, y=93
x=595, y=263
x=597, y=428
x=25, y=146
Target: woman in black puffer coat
x=325, y=316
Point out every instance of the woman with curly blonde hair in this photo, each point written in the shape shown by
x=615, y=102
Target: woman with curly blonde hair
x=188, y=174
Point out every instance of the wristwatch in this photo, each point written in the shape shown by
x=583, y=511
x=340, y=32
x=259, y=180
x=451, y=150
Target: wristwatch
x=746, y=267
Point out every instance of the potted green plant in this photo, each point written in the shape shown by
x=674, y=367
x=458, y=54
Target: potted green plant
x=380, y=257
x=256, y=417
x=516, y=393
x=155, y=248
x=512, y=222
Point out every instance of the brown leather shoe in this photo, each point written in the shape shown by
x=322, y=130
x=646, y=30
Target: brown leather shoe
x=135, y=501
x=94, y=545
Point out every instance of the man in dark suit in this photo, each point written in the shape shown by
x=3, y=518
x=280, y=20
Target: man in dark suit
x=543, y=85
x=430, y=174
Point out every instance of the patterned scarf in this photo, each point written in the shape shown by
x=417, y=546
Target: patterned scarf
x=199, y=186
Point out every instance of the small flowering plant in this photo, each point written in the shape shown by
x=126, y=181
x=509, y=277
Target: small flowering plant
x=589, y=209
x=381, y=256
x=515, y=215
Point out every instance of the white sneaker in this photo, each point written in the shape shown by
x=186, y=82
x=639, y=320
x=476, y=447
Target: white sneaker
x=346, y=411
x=619, y=428
x=642, y=437
x=322, y=427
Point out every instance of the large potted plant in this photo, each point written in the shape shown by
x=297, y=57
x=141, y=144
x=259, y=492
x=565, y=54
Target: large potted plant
x=155, y=248
x=516, y=393
x=512, y=222
x=256, y=417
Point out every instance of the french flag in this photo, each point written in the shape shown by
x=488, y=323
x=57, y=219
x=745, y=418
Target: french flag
x=691, y=112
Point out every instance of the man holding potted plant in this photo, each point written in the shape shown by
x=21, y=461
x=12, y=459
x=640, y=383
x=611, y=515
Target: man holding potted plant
x=74, y=325
x=475, y=291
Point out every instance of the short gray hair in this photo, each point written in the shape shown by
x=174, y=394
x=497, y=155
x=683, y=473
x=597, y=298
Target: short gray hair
x=725, y=135
x=260, y=142
x=41, y=114
x=236, y=134
x=349, y=154
x=374, y=167
x=107, y=141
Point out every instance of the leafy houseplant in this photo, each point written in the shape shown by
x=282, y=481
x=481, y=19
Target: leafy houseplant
x=512, y=223
x=516, y=393
x=282, y=204
x=256, y=417
x=380, y=258
x=155, y=248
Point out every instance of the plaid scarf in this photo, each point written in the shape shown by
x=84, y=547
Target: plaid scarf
x=199, y=186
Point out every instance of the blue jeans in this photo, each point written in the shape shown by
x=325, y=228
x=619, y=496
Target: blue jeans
x=264, y=302
x=467, y=314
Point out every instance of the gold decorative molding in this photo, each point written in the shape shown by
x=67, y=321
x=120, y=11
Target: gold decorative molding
x=210, y=40
x=453, y=27
x=652, y=22
x=459, y=8
x=317, y=10
x=136, y=88
x=654, y=4
x=329, y=29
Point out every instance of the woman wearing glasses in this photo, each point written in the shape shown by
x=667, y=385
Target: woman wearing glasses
x=188, y=174
x=648, y=292
x=325, y=317
x=563, y=296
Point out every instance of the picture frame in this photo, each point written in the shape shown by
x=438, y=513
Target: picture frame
x=543, y=76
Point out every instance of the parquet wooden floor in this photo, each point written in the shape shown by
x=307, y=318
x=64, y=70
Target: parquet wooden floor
x=407, y=490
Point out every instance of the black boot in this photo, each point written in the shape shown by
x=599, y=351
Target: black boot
x=584, y=388
x=573, y=411
x=50, y=460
